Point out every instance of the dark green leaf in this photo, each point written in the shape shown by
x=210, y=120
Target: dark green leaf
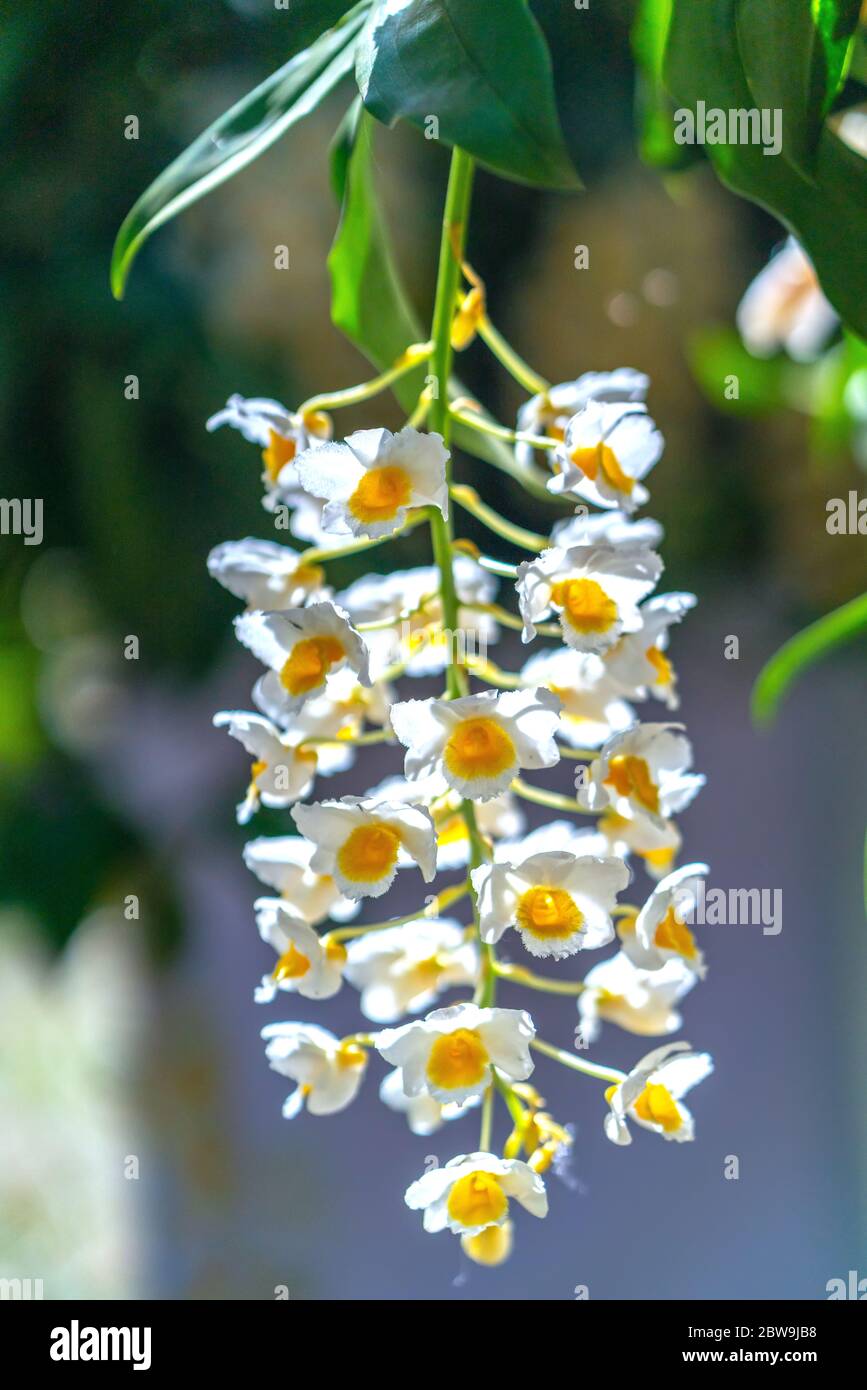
x=238, y=137
x=804, y=650
x=794, y=55
x=367, y=300
x=826, y=215
x=481, y=71
x=654, y=108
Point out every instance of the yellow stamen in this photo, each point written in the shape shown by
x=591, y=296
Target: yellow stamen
x=279, y=452
x=292, y=965
x=549, y=913
x=309, y=662
x=457, y=1060
x=370, y=853
x=477, y=1200
x=601, y=457
x=351, y=1054
x=630, y=777
x=492, y=1246
x=585, y=604
x=661, y=665
x=673, y=935
x=479, y=748
x=381, y=493
x=657, y=1106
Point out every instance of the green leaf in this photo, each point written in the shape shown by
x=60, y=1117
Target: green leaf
x=368, y=302
x=482, y=71
x=238, y=137
x=794, y=54
x=802, y=651
x=826, y=214
x=653, y=106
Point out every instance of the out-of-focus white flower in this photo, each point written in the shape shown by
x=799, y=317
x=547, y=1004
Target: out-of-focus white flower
x=402, y=970
x=478, y=743
x=418, y=641
x=328, y=1071
x=307, y=963
x=280, y=434
x=591, y=709
x=605, y=528
x=640, y=1001
x=659, y=933
x=424, y=1115
x=449, y=1054
x=282, y=771
x=473, y=1191
x=337, y=712
x=643, y=772
x=652, y=1092
x=362, y=842
x=595, y=591
x=283, y=863
x=637, y=664
x=266, y=575
x=304, y=646
x=372, y=479
x=495, y=819
x=657, y=844
x=558, y=902
x=607, y=451
x=784, y=308
x=550, y=412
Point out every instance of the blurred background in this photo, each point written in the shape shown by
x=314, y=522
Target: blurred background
x=142, y=1151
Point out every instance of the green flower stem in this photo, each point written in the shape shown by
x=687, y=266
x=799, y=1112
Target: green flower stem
x=554, y=800
x=519, y=976
x=577, y=1064
x=322, y=555
x=469, y=499
x=487, y=1119
x=454, y=233
x=441, y=902
x=353, y=741
x=492, y=674
x=513, y=363
x=354, y=395
x=485, y=426
x=513, y=1103
x=582, y=755
x=511, y=620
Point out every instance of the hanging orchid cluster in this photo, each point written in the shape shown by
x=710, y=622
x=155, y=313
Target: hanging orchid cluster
x=331, y=663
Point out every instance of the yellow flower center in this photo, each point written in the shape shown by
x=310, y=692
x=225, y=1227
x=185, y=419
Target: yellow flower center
x=335, y=952
x=491, y=1246
x=585, y=604
x=457, y=1060
x=351, y=1054
x=309, y=662
x=292, y=965
x=479, y=748
x=630, y=776
x=659, y=859
x=381, y=493
x=548, y=913
x=477, y=1200
x=279, y=452
x=661, y=665
x=370, y=853
x=309, y=576
x=673, y=935
x=598, y=458
x=657, y=1106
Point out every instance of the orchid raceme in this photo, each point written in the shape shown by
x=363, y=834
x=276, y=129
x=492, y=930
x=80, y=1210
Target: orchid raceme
x=458, y=772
